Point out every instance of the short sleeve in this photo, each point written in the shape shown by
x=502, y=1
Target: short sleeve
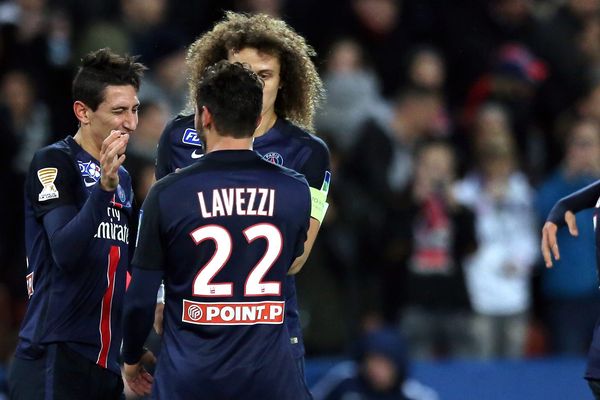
x=317, y=170
x=149, y=251
x=317, y=167
x=52, y=181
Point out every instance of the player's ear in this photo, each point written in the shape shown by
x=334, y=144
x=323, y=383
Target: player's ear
x=206, y=117
x=258, y=121
x=81, y=112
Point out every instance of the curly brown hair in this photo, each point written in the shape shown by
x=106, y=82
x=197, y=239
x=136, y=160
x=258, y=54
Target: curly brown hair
x=301, y=90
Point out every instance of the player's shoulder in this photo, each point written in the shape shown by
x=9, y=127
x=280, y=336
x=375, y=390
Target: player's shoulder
x=168, y=180
x=181, y=121
x=59, y=149
x=179, y=125
x=180, y=173
x=60, y=153
x=288, y=173
x=180, y=131
x=305, y=137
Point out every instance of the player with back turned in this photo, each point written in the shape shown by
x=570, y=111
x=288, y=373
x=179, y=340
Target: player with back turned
x=292, y=90
x=78, y=202
x=223, y=234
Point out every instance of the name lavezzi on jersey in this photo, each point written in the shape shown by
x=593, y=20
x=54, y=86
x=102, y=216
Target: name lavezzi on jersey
x=238, y=201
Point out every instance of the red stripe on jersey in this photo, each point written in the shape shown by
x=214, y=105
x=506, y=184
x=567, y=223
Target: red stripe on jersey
x=105, y=317
x=127, y=280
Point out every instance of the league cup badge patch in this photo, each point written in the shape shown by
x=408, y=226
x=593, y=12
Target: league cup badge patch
x=273, y=158
x=47, y=176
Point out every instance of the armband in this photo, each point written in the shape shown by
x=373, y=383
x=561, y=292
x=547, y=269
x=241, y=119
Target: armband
x=319, y=204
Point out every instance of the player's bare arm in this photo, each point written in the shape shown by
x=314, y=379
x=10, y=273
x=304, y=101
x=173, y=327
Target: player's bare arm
x=111, y=158
x=158, y=318
x=549, y=241
x=311, y=236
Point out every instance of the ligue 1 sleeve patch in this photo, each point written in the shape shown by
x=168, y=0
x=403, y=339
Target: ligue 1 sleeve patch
x=190, y=136
x=326, y=181
x=47, y=176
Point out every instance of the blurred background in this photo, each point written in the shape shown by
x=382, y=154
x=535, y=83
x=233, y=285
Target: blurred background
x=453, y=126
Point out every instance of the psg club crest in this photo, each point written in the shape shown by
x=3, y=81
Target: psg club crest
x=274, y=158
x=119, y=199
x=121, y=193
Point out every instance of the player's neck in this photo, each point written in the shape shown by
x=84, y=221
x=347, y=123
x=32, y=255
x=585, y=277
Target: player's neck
x=87, y=143
x=215, y=143
x=266, y=123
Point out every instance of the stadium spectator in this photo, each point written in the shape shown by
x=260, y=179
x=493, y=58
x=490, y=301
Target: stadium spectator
x=498, y=273
x=428, y=234
x=353, y=95
x=380, y=371
x=379, y=167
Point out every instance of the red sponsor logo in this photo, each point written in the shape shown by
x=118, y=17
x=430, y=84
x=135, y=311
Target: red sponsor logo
x=247, y=313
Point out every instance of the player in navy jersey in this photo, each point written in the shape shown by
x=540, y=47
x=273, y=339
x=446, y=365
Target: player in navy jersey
x=563, y=214
x=223, y=234
x=78, y=203
x=292, y=90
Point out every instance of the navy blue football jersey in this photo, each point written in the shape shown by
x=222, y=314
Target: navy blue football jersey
x=77, y=243
x=582, y=199
x=225, y=232
x=284, y=144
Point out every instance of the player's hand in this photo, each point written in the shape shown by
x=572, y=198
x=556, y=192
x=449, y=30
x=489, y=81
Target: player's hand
x=549, y=241
x=158, y=318
x=111, y=158
x=137, y=378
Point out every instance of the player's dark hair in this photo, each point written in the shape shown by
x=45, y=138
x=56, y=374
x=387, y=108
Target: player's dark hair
x=102, y=68
x=233, y=95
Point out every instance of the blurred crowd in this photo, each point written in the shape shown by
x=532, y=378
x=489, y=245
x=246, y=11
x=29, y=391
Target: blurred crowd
x=453, y=127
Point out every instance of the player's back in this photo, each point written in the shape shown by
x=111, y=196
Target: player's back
x=232, y=224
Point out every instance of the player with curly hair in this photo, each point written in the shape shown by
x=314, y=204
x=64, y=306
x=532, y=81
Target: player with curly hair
x=292, y=91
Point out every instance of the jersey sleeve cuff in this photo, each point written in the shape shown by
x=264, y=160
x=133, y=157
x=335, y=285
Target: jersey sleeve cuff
x=132, y=356
x=101, y=196
x=557, y=214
